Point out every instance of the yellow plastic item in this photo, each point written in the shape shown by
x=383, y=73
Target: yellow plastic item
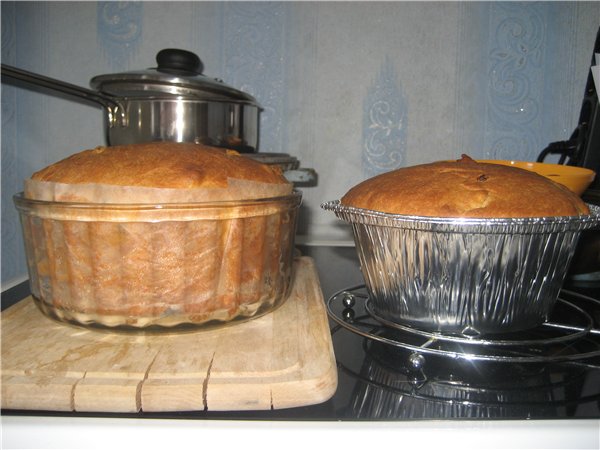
x=575, y=178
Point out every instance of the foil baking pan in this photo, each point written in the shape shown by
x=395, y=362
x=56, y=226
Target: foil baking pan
x=466, y=276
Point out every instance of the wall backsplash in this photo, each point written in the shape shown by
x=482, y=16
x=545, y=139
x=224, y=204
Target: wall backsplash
x=349, y=88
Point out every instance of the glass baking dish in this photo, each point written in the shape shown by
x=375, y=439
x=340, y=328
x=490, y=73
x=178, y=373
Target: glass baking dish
x=159, y=266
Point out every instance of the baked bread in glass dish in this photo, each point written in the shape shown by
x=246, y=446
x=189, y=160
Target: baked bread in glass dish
x=158, y=235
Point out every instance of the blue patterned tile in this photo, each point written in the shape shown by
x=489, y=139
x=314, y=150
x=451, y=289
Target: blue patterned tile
x=254, y=43
x=516, y=74
x=13, y=258
x=385, y=123
x=119, y=31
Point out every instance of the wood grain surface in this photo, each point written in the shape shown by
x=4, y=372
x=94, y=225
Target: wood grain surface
x=280, y=360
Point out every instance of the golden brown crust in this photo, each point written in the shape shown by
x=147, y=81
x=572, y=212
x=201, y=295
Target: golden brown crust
x=465, y=188
x=159, y=164
x=189, y=265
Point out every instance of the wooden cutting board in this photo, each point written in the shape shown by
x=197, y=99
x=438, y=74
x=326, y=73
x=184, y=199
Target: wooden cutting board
x=283, y=359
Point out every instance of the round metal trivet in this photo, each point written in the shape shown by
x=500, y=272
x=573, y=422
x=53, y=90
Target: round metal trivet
x=536, y=350
x=574, y=332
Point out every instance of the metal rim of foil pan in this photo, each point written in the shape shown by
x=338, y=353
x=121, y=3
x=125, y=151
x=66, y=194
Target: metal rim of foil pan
x=466, y=224
x=470, y=277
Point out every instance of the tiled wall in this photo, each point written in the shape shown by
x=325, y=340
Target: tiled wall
x=349, y=88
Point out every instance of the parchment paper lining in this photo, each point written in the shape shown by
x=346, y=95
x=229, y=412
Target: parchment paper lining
x=102, y=193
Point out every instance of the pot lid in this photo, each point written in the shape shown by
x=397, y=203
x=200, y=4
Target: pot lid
x=178, y=74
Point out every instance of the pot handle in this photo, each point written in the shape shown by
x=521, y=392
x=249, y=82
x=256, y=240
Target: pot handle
x=179, y=62
x=116, y=111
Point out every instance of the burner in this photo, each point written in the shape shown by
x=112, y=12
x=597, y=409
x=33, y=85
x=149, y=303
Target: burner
x=388, y=388
x=569, y=335
x=403, y=372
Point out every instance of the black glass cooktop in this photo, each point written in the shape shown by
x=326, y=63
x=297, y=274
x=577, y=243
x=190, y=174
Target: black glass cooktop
x=382, y=377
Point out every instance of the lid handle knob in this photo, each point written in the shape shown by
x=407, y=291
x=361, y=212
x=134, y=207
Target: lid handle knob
x=179, y=62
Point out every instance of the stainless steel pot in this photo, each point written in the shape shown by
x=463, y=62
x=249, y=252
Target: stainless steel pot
x=172, y=102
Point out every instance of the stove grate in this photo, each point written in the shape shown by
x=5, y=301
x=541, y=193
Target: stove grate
x=569, y=335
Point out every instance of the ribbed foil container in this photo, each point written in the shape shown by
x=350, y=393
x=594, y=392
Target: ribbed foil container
x=461, y=275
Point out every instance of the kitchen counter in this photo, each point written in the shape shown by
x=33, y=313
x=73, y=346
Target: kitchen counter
x=61, y=432
x=496, y=405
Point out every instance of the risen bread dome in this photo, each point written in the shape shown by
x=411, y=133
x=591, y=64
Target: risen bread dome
x=159, y=165
x=465, y=188
x=159, y=234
